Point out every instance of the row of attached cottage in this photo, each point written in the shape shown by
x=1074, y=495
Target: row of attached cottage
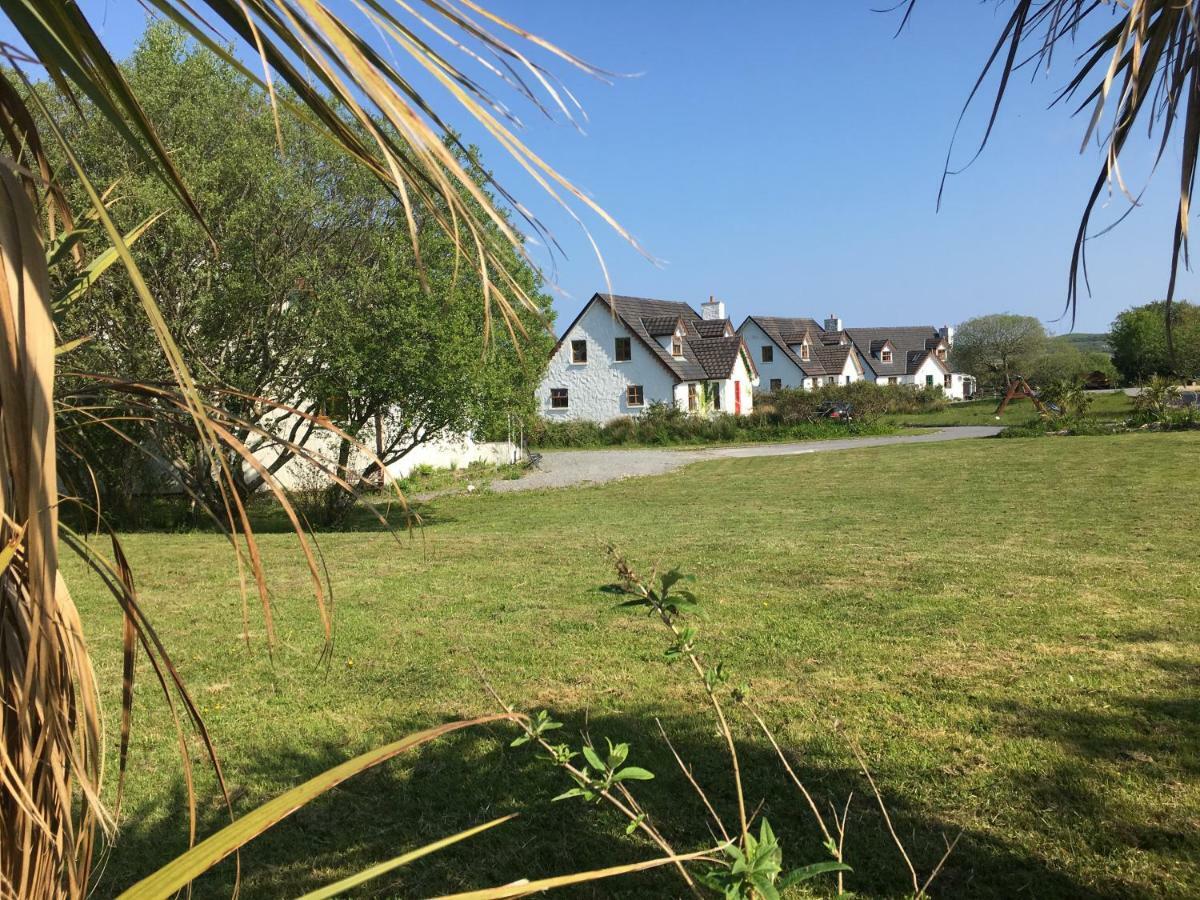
x=622, y=354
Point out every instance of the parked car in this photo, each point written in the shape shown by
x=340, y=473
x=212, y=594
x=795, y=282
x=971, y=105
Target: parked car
x=836, y=410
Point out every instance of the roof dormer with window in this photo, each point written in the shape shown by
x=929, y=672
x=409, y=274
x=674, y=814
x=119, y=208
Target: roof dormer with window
x=882, y=350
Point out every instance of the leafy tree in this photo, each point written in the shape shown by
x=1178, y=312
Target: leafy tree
x=995, y=348
x=1063, y=360
x=1139, y=341
x=51, y=745
x=310, y=299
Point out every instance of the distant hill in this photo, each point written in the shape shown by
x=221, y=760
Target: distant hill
x=1086, y=342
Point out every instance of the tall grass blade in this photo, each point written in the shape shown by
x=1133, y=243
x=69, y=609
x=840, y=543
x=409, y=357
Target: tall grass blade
x=184, y=869
x=353, y=881
x=525, y=888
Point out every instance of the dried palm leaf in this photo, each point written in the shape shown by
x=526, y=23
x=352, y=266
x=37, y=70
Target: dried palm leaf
x=1140, y=68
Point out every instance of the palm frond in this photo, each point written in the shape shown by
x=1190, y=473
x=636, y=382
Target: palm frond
x=352, y=90
x=1139, y=69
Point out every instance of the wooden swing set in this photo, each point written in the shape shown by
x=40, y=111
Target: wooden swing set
x=1019, y=387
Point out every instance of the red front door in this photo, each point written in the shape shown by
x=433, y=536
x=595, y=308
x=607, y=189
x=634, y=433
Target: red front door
x=737, y=398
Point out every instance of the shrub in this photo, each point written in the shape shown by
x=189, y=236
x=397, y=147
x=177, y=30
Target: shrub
x=622, y=430
x=1066, y=402
x=1155, y=400
x=788, y=414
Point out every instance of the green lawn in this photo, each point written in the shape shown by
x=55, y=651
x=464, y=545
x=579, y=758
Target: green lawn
x=1010, y=629
x=1106, y=407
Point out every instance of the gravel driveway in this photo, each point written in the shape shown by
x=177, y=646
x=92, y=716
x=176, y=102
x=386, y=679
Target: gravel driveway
x=563, y=468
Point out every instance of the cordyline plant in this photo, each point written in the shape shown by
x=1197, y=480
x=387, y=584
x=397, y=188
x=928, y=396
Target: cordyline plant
x=748, y=863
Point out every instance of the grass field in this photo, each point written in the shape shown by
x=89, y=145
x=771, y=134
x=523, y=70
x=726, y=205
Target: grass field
x=1009, y=628
x=1106, y=407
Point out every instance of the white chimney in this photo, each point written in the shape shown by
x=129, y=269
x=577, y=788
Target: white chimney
x=713, y=310
x=833, y=323
x=947, y=334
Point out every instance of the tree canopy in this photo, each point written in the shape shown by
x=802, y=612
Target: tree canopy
x=1139, y=340
x=307, y=293
x=995, y=348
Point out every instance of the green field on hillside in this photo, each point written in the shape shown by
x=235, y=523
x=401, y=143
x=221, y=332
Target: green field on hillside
x=1011, y=630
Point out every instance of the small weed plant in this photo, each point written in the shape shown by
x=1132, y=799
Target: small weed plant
x=748, y=862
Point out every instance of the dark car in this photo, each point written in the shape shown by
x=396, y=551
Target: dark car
x=839, y=412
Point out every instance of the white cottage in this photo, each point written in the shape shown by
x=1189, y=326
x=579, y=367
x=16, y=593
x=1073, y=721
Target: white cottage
x=915, y=355
x=799, y=353
x=623, y=353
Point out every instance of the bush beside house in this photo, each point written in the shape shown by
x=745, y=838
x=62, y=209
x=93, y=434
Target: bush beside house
x=788, y=414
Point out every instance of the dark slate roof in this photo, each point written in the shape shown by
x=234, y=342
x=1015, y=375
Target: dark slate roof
x=717, y=355
x=703, y=357
x=832, y=357
x=713, y=328
x=660, y=325
x=912, y=344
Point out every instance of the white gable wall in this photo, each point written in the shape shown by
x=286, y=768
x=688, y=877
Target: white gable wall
x=957, y=390
x=929, y=369
x=850, y=372
x=780, y=367
x=596, y=390
x=740, y=375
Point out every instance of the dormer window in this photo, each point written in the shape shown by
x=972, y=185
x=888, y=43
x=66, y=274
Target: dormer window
x=677, y=345
x=885, y=355
x=941, y=353
x=804, y=354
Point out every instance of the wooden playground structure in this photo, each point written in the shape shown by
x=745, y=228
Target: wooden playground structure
x=1019, y=387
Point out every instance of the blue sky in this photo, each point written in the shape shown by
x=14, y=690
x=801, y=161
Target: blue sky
x=785, y=156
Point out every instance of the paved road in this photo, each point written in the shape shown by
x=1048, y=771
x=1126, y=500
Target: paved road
x=563, y=468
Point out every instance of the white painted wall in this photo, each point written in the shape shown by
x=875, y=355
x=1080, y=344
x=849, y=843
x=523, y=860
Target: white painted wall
x=780, y=367
x=956, y=390
x=743, y=376
x=681, y=395
x=929, y=368
x=850, y=372
x=448, y=452
x=917, y=379
x=596, y=390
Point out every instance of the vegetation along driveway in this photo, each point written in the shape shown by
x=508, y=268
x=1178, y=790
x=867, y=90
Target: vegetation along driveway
x=563, y=468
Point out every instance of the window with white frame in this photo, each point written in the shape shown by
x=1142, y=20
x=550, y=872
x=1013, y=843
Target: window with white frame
x=578, y=351
x=885, y=355
x=804, y=350
x=677, y=345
